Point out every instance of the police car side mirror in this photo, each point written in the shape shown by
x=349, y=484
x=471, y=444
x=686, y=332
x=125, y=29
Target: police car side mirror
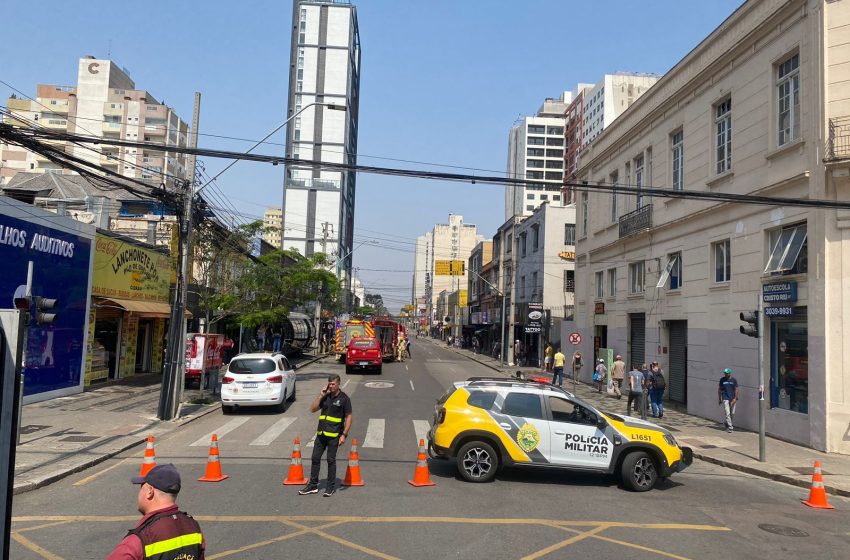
x=601, y=423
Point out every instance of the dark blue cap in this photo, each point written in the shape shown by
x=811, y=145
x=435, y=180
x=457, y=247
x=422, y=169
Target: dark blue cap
x=162, y=477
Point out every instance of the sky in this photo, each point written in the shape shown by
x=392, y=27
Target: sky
x=442, y=82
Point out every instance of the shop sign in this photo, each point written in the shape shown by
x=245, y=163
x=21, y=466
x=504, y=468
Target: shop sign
x=599, y=308
x=778, y=311
x=127, y=271
x=534, y=322
x=567, y=255
x=449, y=268
x=779, y=292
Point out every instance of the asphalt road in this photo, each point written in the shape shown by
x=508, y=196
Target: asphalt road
x=704, y=512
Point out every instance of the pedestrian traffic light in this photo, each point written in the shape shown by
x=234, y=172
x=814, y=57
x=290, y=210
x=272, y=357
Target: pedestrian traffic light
x=40, y=308
x=752, y=326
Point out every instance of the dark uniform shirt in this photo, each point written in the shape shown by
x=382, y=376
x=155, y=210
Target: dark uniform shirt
x=334, y=410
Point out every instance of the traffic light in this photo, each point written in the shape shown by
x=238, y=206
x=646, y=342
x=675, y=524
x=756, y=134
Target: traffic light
x=41, y=307
x=752, y=326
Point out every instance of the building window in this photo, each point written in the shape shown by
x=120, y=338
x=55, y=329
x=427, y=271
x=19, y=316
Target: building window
x=639, y=181
x=522, y=287
x=558, y=130
x=529, y=208
x=570, y=281
x=569, y=234
x=533, y=174
x=534, y=152
x=556, y=197
x=612, y=282
x=529, y=196
x=536, y=129
x=677, y=147
x=636, y=277
x=722, y=256
x=723, y=136
x=788, y=100
x=615, y=213
x=789, y=251
x=535, y=237
x=534, y=163
x=510, y=245
x=584, y=209
x=544, y=197
x=600, y=285
x=673, y=271
x=522, y=244
x=554, y=175
x=535, y=290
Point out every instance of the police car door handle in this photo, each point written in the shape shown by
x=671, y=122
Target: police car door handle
x=560, y=433
x=505, y=425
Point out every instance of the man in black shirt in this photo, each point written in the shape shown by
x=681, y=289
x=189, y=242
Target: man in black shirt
x=334, y=424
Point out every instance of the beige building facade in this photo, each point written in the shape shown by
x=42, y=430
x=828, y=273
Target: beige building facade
x=760, y=107
x=273, y=220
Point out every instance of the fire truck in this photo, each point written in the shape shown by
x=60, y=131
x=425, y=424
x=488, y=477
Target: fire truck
x=386, y=331
x=346, y=330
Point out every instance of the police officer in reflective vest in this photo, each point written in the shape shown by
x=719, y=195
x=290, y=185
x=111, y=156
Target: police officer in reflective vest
x=334, y=424
x=164, y=532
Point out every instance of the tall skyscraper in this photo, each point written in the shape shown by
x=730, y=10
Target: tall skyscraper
x=324, y=76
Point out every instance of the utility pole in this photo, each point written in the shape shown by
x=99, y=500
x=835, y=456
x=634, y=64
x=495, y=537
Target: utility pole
x=325, y=230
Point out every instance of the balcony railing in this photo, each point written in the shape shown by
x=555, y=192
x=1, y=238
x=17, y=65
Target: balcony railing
x=636, y=222
x=838, y=145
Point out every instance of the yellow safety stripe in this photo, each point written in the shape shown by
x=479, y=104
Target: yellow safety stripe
x=329, y=434
x=331, y=418
x=172, y=544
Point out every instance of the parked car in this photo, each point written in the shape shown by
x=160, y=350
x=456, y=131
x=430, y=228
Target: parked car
x=260, y=379
x=363, y=353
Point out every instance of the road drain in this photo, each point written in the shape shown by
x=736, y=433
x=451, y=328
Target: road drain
x=783, y=530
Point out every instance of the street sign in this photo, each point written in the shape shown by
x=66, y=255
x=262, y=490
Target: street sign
x=449, y=268
x=575, y=338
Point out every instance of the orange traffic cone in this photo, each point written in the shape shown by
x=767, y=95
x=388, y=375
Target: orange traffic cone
x=296, y=471
x=421, y=477
x=352, y=473
x=213, y=473
x=149, y=461
x=817, y=494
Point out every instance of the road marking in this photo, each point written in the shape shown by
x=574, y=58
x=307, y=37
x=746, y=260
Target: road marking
x=421, y=427
x=34, y=547
x=273, y=432
x=344, y=542
x=374, y=433
x=221, y=432
x=453, y=369
x=268, y=542
x=88, y=479
x=412, y=388
x=347, y=381
x=557, y=546
x=406, y=368
x=312, y=441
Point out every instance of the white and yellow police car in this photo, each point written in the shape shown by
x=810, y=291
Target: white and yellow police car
x=485, y=423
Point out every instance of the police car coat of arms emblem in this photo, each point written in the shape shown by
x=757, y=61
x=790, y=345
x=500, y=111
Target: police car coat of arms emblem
x=528, y=437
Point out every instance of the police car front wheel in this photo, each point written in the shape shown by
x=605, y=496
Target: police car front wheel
x=639, y=472
x=477, y=461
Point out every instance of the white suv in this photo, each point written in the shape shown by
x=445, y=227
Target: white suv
x=259, y=379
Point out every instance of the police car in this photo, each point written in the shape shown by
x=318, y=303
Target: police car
x=485, y=423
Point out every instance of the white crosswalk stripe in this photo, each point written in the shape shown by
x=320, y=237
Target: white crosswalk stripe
x=374, y=433
x=227, y=428
x=312, y=441
x=273, y=432
x=421, y=428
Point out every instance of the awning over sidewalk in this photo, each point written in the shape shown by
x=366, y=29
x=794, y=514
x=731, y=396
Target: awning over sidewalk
x=145, y=308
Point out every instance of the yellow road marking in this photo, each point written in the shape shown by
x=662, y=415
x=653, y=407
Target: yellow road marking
x=557, y=546
x=268, y=542
x=44, y=526
x=640, y=547
x=97, y=474
x=47, y=555
x=345, y=542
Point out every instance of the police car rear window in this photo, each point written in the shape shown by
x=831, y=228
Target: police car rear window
x=525, y=405
x=252, y=365
x=481, y=399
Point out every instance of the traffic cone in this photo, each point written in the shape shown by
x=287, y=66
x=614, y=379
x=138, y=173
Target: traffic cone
x=421, y=477
x=296, y=471
x=817, y=494
x=149, y=460
x=352, y=473
x=213, y=473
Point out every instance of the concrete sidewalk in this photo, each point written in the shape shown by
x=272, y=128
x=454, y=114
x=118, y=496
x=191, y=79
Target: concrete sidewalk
x=66, y=435
x=786, y=462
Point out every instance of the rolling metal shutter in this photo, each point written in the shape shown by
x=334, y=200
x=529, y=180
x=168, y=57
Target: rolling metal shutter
x=637, y=338
x=677, y=374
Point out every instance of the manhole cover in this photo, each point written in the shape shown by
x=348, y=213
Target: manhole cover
x=379, y=384
x=32, y=428
x=783, y=530
x=79, y=439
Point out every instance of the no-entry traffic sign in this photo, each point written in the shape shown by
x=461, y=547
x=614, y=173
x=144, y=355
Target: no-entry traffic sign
x=575, y=339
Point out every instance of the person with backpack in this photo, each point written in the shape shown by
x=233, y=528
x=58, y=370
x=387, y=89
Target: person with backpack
x=656, y=390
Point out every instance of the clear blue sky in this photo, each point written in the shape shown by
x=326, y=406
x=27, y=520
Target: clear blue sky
x=442, y=82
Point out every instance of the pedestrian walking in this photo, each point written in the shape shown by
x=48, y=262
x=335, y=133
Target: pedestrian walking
x=497, y=351
x=656, y=390
x=600, y=375
x=727, y=396
x=276, y=337
x=475, y=345
x=163, y=527
x=635, y=389
x=647, y=382
x=547, y=357
x=332, y=431
x=618, y=373
x=558, y=365
x=518, y=352
x=407, y=347
x=577, y=363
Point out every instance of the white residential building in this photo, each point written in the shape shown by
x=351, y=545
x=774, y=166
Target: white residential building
x=536, y=152
x=607, y=100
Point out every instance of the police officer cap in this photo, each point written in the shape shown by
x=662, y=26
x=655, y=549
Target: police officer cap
x=601, y=361
x=162, y=477
x=727, y=370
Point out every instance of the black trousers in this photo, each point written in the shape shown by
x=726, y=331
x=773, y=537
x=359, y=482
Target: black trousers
x=319, y=446
x=637, y=399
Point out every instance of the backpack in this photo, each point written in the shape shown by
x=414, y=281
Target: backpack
x=658, y=382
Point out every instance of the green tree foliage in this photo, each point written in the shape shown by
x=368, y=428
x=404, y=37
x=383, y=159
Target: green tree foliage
x=376, y=302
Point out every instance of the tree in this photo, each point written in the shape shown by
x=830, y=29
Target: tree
x=376, y=301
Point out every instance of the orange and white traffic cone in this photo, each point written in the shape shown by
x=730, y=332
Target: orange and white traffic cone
x=421, y=476
x=213, y=473
x=149, y=460
x=352, y=473
x=296, y=470
x=817, y=494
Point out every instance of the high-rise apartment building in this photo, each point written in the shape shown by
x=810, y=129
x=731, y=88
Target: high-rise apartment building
x=607, y=100
x=272, y=221
x=324, y=75
x=104, y=103
x=536, y=153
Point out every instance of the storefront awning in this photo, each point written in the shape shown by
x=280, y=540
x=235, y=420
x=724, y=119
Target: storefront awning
x=145, y=308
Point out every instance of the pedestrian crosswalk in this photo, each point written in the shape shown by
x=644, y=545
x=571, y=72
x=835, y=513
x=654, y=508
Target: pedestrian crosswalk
x=264, y=431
